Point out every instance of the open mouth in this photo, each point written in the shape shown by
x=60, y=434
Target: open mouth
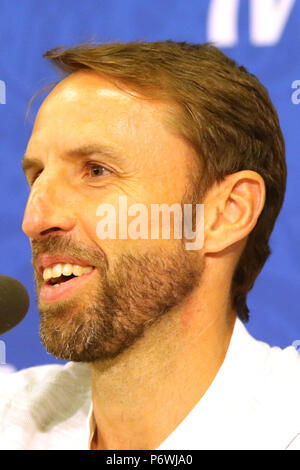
x=62, y=286
x=59, y=280
x=60, y=273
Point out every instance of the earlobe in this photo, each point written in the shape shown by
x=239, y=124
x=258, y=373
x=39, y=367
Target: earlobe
x=232, y=211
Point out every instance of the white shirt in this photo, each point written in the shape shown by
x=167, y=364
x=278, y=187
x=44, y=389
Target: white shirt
x=253, y=403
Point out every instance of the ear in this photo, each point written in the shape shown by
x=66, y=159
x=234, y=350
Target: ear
x=231, y=209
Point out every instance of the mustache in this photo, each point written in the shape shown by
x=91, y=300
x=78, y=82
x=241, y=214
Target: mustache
x=57, y=245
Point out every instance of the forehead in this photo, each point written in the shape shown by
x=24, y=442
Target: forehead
x=86, y=103
x=87, y=109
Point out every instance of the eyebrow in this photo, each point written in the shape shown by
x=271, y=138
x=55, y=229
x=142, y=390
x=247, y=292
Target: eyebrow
x=110, y=153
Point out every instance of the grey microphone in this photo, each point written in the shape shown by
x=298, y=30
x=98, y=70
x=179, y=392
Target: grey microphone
x=14, y=303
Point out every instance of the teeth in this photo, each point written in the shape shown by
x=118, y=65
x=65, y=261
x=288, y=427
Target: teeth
x=47, y=274
x=56, y=270
x=66, y=270
x=77, y=270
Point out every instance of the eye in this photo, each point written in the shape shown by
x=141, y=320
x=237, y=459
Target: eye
x=95, y=169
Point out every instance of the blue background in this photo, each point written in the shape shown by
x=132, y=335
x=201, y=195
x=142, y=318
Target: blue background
x=28, y=28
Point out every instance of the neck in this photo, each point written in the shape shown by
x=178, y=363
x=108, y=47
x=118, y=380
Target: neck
x=142, y=395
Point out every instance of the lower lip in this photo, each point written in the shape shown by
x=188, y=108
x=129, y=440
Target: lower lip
x=50, y=293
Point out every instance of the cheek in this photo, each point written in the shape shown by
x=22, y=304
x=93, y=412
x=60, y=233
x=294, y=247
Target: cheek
x=88, y=223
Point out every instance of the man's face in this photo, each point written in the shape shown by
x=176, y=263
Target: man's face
x=91, y=144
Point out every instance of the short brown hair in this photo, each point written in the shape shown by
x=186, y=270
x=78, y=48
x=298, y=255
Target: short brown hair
x=223, y=111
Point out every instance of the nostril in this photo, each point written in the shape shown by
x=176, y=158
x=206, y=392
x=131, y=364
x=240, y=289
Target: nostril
x=52, y=229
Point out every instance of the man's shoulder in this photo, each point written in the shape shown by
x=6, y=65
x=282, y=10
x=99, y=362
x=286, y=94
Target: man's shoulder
x=285, y=362
x=280, y=393
x=279, y=368
x=273, y=371
x=274, y=385
x=282, y=380
x=271, y=364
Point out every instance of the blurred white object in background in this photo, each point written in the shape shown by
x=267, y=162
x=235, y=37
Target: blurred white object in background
x=7, y=369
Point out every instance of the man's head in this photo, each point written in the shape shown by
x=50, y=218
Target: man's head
x=165, y=123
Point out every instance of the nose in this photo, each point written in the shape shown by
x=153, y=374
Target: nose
x=46, y=210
